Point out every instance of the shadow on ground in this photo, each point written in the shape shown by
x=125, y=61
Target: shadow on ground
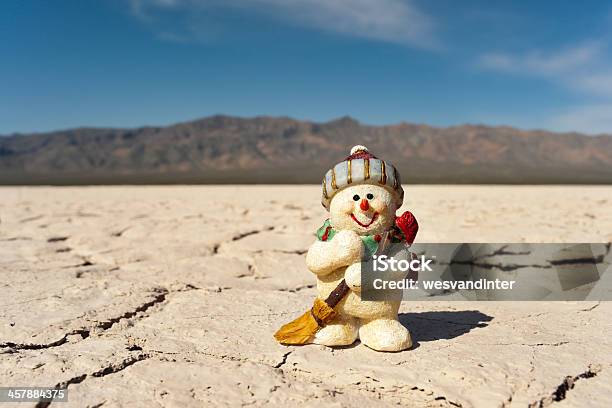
x=432, y=326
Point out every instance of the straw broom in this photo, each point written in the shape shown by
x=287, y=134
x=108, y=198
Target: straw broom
x=304, y=327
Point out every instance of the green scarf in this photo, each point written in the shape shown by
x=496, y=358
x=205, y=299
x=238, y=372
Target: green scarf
x=327, y=232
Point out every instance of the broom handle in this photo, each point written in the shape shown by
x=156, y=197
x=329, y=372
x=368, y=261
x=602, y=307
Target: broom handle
x=337, y=294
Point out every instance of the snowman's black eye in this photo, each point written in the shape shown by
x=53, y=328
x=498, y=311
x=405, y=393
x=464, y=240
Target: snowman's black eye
x=356, y=197
x=370, y=196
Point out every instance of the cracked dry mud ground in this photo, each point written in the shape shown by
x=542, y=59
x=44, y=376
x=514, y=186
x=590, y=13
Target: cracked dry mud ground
x=168, y=296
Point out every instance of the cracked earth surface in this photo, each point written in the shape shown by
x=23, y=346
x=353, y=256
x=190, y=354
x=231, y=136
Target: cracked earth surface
x=168, y=296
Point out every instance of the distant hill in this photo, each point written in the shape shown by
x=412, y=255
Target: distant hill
x=222, y=149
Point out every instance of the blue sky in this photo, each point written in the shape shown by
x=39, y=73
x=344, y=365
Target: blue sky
x=68, y=63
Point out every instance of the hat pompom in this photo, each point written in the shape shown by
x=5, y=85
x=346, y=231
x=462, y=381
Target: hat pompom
x=358, y=148
x=360, y=152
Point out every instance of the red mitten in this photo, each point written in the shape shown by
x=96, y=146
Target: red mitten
x=409, y=226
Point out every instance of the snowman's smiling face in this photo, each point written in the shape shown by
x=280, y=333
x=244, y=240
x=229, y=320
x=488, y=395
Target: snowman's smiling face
x=366, y=209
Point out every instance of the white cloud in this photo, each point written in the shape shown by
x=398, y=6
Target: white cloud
x=396, y=21
x=595, y=84
x=551, y=64
x=584, y=69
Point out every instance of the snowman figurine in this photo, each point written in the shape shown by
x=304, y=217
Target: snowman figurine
x=362, y=194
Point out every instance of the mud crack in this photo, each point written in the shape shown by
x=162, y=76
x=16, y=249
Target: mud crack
x=249, y=233
x=502, y=251
x=561, y=391
x=159, y=298
x=578, y=261
x=217, y=247
x=108, y=370
x=85, y=332
x=298, y=288
x=14, y=347
x=283, y=360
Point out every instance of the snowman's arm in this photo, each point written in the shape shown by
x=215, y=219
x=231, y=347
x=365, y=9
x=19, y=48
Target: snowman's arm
x=325, y=257
x=344, y=249
x=321, y=259
x=352, y=276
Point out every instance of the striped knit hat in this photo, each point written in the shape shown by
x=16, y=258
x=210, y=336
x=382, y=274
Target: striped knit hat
x=361, y=167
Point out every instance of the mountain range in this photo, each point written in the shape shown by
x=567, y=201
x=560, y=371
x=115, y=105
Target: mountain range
x=225, y=149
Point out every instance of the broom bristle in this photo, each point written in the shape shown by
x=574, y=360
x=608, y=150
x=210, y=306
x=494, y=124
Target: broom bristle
x=300, y=330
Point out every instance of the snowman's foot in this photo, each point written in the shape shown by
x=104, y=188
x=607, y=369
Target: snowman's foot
x=385, y=335
x=340, y=332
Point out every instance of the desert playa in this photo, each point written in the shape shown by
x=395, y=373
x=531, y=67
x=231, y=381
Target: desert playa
x=169, y=296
